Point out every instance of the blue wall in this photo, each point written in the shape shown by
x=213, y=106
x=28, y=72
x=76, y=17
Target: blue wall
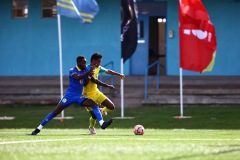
x=29, y=47
x=224, y=14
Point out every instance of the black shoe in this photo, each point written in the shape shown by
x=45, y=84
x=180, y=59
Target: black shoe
x=106, y=124
x=35, y=132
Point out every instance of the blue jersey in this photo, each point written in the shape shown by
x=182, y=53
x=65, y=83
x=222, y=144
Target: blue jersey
x=76, y=86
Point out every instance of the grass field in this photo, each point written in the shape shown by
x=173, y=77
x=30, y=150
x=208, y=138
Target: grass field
x=211, y=133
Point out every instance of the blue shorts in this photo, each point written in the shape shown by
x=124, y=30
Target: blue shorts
x=68, y=99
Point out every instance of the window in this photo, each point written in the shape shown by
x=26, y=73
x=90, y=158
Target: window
x=49, y=8
x=19, y=8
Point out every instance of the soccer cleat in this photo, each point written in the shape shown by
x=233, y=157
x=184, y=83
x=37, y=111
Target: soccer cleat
x=92, y=130
x=104, y=113
x=106, y=124
x=35, y=132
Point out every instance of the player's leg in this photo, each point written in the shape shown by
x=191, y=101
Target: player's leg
x=106, y=102
x=92, y=123
x=108, y=105
x=64, y=103
x=97, y=113
x=48, y=118
x=92, y=120
x=99, y=97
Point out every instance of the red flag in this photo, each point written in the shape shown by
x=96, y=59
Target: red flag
x=197, y=37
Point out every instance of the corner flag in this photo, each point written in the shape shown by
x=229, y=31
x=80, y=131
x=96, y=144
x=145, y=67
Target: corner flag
x=197, y=37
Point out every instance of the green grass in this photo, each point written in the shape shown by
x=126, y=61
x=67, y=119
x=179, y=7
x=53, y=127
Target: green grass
x=203, y=117
x=211, y=133
x=119, y=144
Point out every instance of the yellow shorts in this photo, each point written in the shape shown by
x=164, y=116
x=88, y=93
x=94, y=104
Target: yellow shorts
x=97, y=96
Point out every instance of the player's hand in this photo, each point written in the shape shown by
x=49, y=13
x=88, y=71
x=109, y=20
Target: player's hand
x=92, y=68
x=122, y=76
x=111, y=86
x=91, y=71
x=94, y=65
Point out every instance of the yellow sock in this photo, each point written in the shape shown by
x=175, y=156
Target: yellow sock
x=92, y=122
x=106, y=109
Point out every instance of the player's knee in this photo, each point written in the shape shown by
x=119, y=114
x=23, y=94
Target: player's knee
x=112, y=107
x=58, y=110
x=109, y=104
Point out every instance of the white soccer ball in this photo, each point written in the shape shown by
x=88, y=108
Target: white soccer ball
x=138, y=130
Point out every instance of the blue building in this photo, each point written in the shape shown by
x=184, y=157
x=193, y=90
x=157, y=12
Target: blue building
x=29, y=43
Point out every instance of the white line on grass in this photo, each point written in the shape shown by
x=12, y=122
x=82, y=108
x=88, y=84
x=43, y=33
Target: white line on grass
x=7, y=118
x=140, y=139
x=34, y=141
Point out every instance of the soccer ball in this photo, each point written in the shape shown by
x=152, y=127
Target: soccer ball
x=138, y=130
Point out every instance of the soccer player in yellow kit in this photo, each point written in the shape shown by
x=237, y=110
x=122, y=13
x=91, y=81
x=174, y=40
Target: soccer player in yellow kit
x=91, y=91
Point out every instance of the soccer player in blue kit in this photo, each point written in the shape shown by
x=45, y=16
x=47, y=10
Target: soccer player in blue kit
x=78, y=77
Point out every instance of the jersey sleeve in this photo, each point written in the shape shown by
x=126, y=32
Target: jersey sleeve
x=88, y=67
x=71, y=71
x=102, y=70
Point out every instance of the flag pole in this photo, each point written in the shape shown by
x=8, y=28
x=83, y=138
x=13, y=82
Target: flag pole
x=181, y=93
x=181, y=97
x=60, y=59
x=122, y=96
x=122, y=91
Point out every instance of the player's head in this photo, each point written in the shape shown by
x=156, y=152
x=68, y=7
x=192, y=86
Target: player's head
x=81, y=62
x=96, y=59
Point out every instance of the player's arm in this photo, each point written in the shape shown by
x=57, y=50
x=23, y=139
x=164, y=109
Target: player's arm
x=109, y=71
x=98, y=82
x=81, y=76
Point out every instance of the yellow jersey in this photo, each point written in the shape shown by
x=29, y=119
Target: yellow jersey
x=91, y=87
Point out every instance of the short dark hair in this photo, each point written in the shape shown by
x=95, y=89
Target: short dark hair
x=96, y=56
x=80, y=58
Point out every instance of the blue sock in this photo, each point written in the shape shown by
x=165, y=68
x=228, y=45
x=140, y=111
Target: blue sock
x=97, y=113
x=47, y=119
